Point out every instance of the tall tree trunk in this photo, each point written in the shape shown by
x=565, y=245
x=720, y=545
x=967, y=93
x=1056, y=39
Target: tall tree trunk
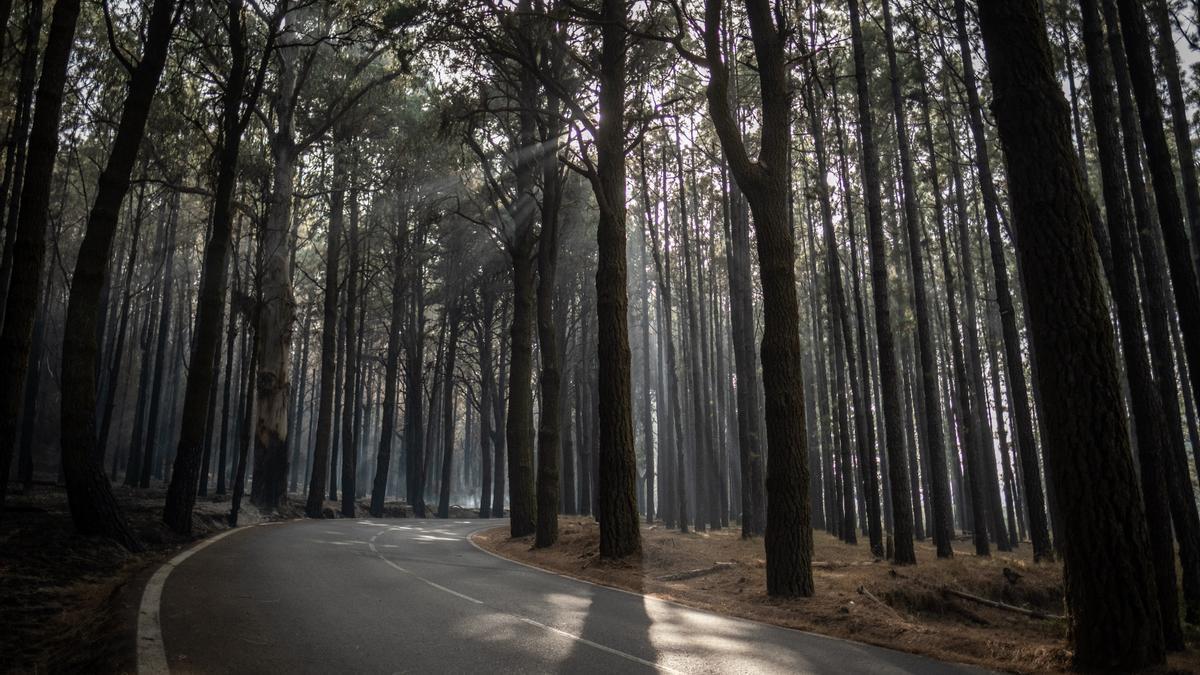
x=968, y=431
x=860, y=376
x=1135, y=34
x=1168, y=60
x=210, y=308
x=617, y=484
x=277, y=314
x=93, y=507
x=1158, y=433
x=765, y=182
x=317, y=484
x=498, y=435
x=548, y=448
x=487, y=381
x=383, y=458
x=160, y=350
x=353, y=373
x=29, y=247
x=931, y=437
x=448, y=409
x=894, y=423
x=1109, y=583
x=18, y=144
x=1026, y=443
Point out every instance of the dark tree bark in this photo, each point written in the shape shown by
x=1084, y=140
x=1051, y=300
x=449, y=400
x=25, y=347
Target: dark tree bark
x=383, y=458
x=453, y=316
x=1168, y=60
x=487, y=377
x=17, y=148
x=888, y=378
x=210, y=310
x=519, y=430
x=160, y=350
x=92, y=505
x=1150, y=422
x=765, y=182
x=617, y=477
x=499, y=426
x=1026, y=443
x=868, y=458
x=1112, y=614
x=29, y=247
x=549, y=418
x=353, y=372
x=317, y=484
x=226, y=406
x=932, y=439
x=1135, y=35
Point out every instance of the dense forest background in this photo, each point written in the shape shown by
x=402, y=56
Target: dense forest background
x=892, y=269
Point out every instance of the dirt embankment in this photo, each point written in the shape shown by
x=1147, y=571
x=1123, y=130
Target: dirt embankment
x=922, y=609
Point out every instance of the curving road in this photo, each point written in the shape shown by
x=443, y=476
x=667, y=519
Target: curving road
x=402, y=596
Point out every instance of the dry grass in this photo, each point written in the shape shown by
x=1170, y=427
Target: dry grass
x=909, y=612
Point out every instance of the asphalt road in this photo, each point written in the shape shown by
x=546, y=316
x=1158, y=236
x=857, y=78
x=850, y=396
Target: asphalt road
x=401, y=596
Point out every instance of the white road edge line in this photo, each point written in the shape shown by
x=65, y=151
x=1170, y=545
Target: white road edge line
x=527, y=620
x=151, y=655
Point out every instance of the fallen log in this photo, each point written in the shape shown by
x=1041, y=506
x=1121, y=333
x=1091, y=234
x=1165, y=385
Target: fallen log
x=995, y=604
x=692, y=574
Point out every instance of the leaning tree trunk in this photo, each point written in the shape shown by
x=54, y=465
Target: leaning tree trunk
x=1134, y=32
x=30, y=244
x=1149, y=417
x=902, y=517
x=93, y=508
x=1112, y=611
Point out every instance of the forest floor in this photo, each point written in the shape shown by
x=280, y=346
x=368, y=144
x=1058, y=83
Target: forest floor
x=65, y=599
x=858, y=597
